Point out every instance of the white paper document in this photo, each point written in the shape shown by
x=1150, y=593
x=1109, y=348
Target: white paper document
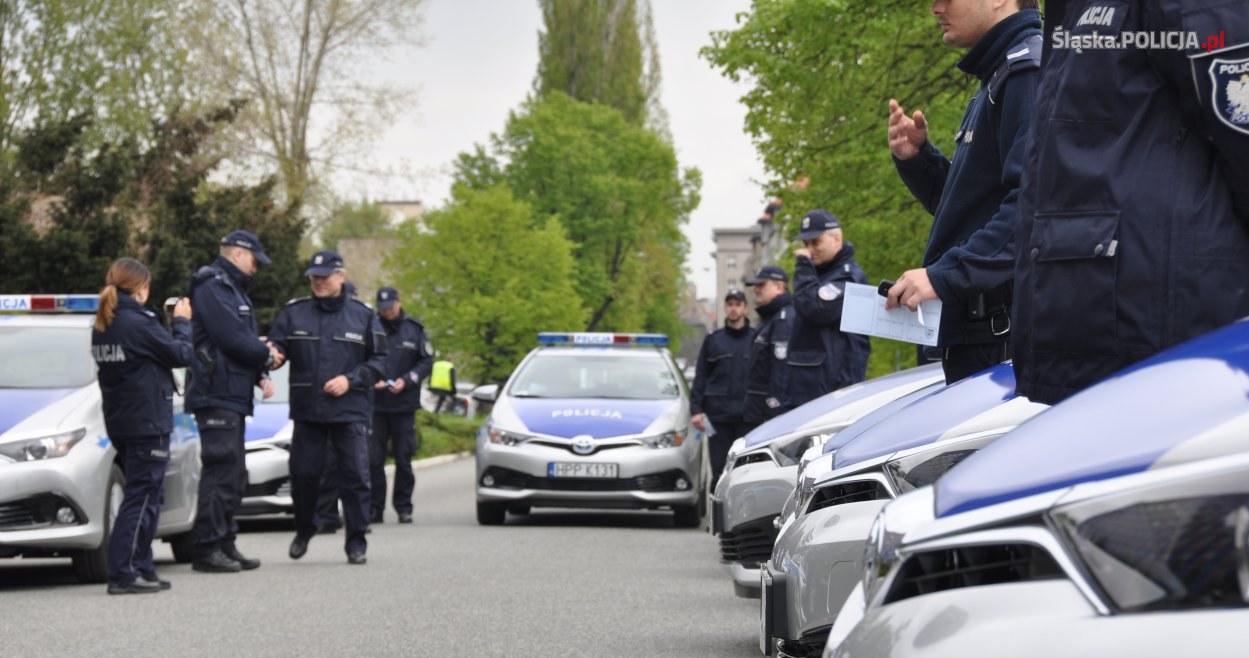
x=864, y=313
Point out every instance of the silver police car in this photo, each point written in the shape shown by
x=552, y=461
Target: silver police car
x=592, y=420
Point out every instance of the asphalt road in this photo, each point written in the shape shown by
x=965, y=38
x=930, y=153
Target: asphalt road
x=554, y=584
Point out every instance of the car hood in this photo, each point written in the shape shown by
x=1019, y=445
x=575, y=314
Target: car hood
x=846, y=404
x=266, y=420
x=924, y=420
x=20, y=404
x=1184, y=404
x=600, y=419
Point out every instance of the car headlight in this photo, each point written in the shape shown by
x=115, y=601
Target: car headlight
x=504, y=437
x=47, y=447
x=672, y=439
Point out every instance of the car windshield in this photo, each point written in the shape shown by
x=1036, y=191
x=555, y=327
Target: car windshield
x=595, y=376
x=281, y=387
x=45, y=357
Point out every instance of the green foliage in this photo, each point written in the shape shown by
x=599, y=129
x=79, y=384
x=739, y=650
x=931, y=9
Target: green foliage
x=445, y=434
x=616, y=189
x=487, y=276
x=822, y=73
x=356, y=220
x=592, y=51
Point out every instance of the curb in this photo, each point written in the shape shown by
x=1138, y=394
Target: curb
x=433, y=461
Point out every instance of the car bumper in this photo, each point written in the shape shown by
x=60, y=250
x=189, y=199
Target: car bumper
x=78, y=480
x=268, y=482
x=647, y=478
x=816, y=564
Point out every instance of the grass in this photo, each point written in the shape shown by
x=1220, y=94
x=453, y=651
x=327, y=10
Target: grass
x=443, y=434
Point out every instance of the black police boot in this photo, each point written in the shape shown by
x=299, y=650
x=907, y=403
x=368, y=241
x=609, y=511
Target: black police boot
x=405, y=517
x=299, y=546
x=217, y=562
x=329, y=527
x=153, y=578
x=376, y=517
x=245, y=562
x=356, y=557
x=139, y=586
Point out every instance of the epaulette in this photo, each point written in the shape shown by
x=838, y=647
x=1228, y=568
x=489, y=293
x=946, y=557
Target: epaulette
x=1026, y=56
x=362, y=303
x=150, y=313
x=298, y=299
x=408, y=318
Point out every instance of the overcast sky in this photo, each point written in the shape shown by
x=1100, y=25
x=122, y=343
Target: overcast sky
x=478, y=63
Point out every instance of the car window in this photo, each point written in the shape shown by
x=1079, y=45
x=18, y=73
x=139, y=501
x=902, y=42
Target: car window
x=595, y=376
x=45, y=357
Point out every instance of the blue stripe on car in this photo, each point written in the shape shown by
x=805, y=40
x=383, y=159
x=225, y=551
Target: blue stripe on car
x=18, y=404
x=598, y=418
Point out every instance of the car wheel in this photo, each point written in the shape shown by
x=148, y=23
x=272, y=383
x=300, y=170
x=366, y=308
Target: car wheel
x=490, y=514
x=91, y=566
x=183, y=546
x=686, y=516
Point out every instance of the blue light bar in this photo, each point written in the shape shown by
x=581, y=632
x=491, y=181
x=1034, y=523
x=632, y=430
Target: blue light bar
x=587, y=339
x=49, y=303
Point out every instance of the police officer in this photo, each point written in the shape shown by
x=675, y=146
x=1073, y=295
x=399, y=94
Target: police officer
x=821, y=357
x=409, y=360
x=970, y=258
x=1133, y=214
x=719, y=390
x=766, y=392
x=230, y=360
x=337, y=351
x=136, y=355
x=442, y=384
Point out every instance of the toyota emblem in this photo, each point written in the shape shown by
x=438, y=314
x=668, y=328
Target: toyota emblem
x=583, y=445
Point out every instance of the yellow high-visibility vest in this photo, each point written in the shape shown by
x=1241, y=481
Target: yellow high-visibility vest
x=440, y=378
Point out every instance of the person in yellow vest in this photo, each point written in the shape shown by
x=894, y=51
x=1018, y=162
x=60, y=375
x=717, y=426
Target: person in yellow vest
x=442, y=384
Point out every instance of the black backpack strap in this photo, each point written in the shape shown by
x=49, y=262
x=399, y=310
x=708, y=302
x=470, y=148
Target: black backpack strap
x=1023, y=57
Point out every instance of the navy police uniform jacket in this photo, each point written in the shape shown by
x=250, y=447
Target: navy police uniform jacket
x=1132, y=234
x=719, y=388
x=821, y=357
x=408, y=357
x=766, y=392
x=229, y=354
x=136, y=355
x=974, y=198
x=322, y=339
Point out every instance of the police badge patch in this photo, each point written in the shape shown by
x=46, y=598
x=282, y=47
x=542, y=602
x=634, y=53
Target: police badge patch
x=829, y=292
x=1230, y=95
x=780, y=350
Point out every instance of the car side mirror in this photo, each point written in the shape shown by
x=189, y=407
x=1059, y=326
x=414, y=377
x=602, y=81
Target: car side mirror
x=487, y=393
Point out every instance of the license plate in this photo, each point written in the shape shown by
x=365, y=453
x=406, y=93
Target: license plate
x=581, y=470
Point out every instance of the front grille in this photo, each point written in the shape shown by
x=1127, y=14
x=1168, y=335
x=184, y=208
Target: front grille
x=848, y=492
x=279, y=487
x=972, y=566
x=15, y=515
x=506, y=478
x=35, y=512
x=810, y=645
x=598, y=447
x=750, y=543
x=752, y=458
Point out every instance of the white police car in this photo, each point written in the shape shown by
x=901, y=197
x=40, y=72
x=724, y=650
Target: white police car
x=592, y=420
x=59, y=485
x=267, y=441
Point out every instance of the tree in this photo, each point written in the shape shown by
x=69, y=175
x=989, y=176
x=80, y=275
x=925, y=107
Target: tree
x=120, y=62
x=356, y=220
x=616, y=189
x=300, y=65
x=822, y=73
x=487, y=275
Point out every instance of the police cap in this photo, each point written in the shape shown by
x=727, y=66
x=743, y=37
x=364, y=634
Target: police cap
x=323, y=263
x=816, y=222
x=387, y=297
x=249, y=241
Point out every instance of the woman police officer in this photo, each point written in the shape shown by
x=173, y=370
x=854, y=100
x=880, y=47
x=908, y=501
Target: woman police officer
x=136, y=356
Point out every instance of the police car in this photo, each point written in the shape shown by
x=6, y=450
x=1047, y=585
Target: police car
x=59, y=485
x=1115, y=523
x=592, y=420
x=267, y=441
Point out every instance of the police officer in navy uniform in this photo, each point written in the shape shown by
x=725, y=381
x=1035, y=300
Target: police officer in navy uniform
x=822, y=358
x=337, y=352
x=766, y=383
x=1133, y=213
x=136, y=356
x=230, y=361
x=409, y=359
x=970, y=259
x=719, y=391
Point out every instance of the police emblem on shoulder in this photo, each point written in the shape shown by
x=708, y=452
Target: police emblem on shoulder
x=829, y=292
x=1230, y=78
x=780, y=350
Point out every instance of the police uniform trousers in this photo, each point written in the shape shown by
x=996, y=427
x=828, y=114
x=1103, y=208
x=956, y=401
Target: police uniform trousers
x=143, y=461
x=720, y=442
x=963, y=361
x=223, y=479
x=328, y=517
x=309, y=447
x=397, y=429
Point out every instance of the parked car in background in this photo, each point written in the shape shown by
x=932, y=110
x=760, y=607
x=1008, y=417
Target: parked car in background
x=267, y=441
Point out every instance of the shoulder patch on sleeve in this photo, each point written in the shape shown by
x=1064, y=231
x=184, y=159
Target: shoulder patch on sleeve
x=829, y=292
